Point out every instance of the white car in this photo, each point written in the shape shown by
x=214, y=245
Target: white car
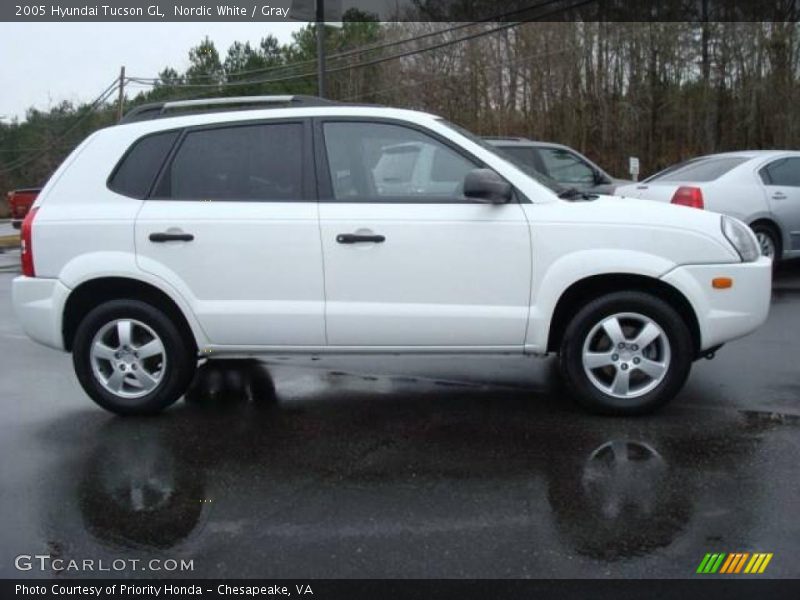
x=759, y=187
x=175, y=237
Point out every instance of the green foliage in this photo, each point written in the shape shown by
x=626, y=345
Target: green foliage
x=661, y=91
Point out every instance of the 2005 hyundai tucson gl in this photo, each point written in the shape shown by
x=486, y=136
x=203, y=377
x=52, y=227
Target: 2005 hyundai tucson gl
x=247, y=226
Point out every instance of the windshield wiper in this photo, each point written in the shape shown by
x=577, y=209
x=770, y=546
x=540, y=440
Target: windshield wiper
x=575, y=194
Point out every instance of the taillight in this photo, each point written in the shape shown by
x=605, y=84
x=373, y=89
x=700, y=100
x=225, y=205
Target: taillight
x=26, y=245
x=688, y=196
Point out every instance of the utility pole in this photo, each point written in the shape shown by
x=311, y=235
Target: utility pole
x=321, y=48
x=121, y=97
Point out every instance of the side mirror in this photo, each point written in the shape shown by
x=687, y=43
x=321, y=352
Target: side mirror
x=487, y=186
x=601, y=179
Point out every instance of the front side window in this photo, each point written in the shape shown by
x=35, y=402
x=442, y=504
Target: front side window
x=238, y=163
x=380, y=161
x=566, y=167
x=784, y=171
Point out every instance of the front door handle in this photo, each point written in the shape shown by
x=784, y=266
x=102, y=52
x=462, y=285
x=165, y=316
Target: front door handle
x=354, y=238
x=779, y=196
x=171, y=237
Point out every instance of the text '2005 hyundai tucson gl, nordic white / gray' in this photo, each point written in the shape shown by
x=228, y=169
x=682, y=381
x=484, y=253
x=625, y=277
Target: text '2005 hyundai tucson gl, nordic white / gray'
x=239, y=227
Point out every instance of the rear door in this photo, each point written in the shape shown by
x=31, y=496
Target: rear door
x=781, y=179
x=415, y=265
x=232, y=224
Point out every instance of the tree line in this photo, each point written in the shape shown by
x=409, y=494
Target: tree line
x=662, y=91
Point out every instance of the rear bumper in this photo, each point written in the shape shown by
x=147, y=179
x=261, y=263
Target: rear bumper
x=39, y=306
x=725, y=315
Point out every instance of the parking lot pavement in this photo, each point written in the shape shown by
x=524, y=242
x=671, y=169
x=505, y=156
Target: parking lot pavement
x=6, y=228
x=407, y=467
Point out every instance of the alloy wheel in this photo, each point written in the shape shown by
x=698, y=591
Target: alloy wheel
x=766, y=243
x=626, y=355
x=128, y=358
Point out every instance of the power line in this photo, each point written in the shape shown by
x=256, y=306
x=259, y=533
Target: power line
x=61, y=137
x=368, y=63
x=381, y=46
x=496, y=18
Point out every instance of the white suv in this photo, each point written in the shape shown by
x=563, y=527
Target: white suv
x=215, y=232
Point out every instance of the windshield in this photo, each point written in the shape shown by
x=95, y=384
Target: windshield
x=546, y=181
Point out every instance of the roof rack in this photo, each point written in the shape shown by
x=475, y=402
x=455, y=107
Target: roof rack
x=160, y=110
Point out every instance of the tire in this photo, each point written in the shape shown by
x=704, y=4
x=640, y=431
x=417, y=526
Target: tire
x=596, y=373
x=142, y=380
x=769, y=238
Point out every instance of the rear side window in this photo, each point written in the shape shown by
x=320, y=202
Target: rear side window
x=240, y=163
x=524, y=155
x=785, y=171
x=707, y=169
x=135, y=173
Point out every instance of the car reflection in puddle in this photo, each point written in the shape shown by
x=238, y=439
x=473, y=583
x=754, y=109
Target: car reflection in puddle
x=465, y=471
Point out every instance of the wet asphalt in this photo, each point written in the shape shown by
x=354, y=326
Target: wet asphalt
x=406, y=467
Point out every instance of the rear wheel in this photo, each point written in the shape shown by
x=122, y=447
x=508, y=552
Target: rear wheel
x=131, y=359
x=626, y=353
x=769, y=241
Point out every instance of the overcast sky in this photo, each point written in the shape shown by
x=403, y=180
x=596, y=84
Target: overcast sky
x=42, y=64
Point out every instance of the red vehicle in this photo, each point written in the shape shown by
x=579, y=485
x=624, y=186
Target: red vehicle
x=19, y=203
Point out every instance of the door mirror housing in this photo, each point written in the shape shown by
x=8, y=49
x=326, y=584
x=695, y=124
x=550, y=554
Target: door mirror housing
x=487, y=186
x=600, y=178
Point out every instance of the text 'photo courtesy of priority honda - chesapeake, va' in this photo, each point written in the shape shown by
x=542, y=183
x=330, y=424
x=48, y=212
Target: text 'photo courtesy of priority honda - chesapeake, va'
x=346, y=299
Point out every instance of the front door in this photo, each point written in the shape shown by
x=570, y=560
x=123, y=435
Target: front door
x=232, y=224
x=409, y=261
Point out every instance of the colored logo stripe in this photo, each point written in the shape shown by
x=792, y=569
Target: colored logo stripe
x=710, y=563
x=734, y=562
x=758, y=563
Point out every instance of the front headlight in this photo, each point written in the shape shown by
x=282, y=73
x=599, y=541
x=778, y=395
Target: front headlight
x=741, y=238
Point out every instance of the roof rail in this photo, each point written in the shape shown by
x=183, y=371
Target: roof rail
x=170, y=108
x=505, y=138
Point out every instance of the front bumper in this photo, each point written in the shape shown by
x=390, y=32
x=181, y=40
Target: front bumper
x=39, y=307
x=727, y=314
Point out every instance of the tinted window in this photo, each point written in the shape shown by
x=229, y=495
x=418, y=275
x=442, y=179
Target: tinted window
x=135, y=173
x=245, y=162
x=566, y=167
x=524, y=155
x=370, y=161
x=707, y=169
x=785, y=171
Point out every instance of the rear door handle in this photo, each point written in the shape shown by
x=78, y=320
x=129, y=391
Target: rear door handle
x=171, y=237
x=353, y=238
x=779, y=196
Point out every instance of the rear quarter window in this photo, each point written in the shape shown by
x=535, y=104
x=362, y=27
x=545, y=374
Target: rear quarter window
x=701, y=170
x=136, y=171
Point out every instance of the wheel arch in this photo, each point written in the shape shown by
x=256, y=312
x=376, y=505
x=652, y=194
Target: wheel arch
x=577, y=294
x=93, y=292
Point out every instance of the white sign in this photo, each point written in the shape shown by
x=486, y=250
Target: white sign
x=633, y=167
x=306, y=10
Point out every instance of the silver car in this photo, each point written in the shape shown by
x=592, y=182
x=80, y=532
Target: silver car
x=565, y=165
x=759, y=187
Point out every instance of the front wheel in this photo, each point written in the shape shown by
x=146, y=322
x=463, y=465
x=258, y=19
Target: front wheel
x=131, y=359
x=626, y=353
